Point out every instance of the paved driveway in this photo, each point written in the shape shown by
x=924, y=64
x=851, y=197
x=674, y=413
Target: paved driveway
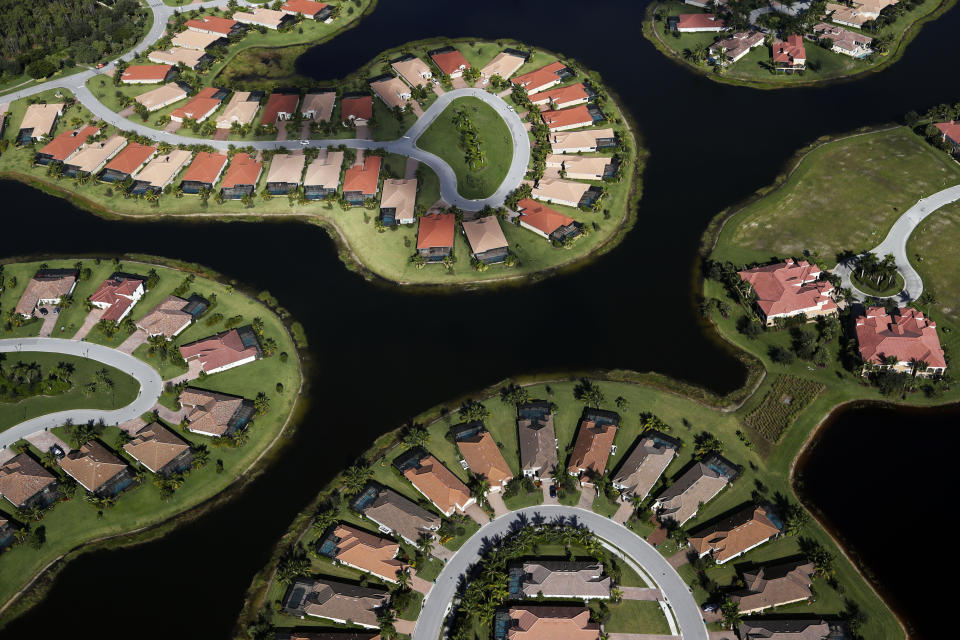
x=49, y=322
x=136, y=339
x=89, y=322
x=495, y=498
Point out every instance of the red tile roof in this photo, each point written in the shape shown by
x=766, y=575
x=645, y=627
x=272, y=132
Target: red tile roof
x=218, y=351
x=146, y=72
x=199, y=106
x=67, y=142
x=308, y=8
x=950, y=129
x=363, y=177
x=541, y=216
x=789, y=287
x=450, y=61
x=131, y=158
x=792, y=51
x=436, y=230
x=214, y=24
x=277, y=102
x=117, y=293
x=699, y=21
x=908, y=335
x=578, y=115
x=592, y=447
x=205, y=167
x=563, y=95
x=242, y=170
x=539, y=77
x=357, y=106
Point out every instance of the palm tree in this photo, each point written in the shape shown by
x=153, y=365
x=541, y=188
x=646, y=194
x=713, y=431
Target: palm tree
x=919, y=365
x=403, y=578
x=355, y=478
x=479, y=488
x=425, y=543
x=386, y=619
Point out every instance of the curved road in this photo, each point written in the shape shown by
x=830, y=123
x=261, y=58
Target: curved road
x=151, y=385
x=896, y=243
x=676, y=593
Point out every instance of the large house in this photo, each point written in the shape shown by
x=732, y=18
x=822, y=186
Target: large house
x=46, y=287
x=356, y=109
x=789, y=55
x=538, y=440
x=147, y=74
x=735, y=534
x=128, y=162
x=38, y=121
x=906, y=336
x=951, y=133
x=160, y=450
x=594, y=442
x=563, y=97
x=546, y=622
x=774, y=585
x=172, y=316
x=565, y=192
x=241, y=177
x=307, y=8
x=280, y=106
x=789, y=288
x=241, y=109
x=699, y=22
x=695, y=487
x=543, y=78
x=65, y=145
x=362, y=550
x=162, y=96
x=849, y=43
x=486, y=239
x=323, y=175
x=261, y=17
x=214, y=414
x=437, y=483
x=97, y=469
x=117, y=295
x=736, y=45
x=481, y=453
x=857, y=13
x=203, y=172
x=286, y=173
x=25, y=483
x=587, y=141
x=558, y=579
x=338, y=602
x=791, y=629
x=392, y=90
x=412, y=69
x=580, y=167
x=646, y=463
x=435, y=236
x=93, y=156
x=504, y=64
x=160, y=171
x=223, y=27
x=394, y=514
x=201, y=106
x=318, y=105
x=225, y=350
x=450, y=61
x=572, y=118
x=398, y=202
x=361, y=181
x=546, y=222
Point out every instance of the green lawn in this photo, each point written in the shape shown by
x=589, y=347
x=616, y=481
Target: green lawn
x=932, y=251
x=443, y=139
x=870, y=288
x=637, y=616
x=524, y=499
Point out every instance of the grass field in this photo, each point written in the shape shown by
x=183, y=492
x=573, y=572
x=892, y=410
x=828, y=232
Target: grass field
x=443, y=139
x=932, y=251
x=870, y=288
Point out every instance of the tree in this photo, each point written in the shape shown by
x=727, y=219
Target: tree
x=416, y=436
x=324, y=520
x=472, y=410
x=588, y=393
x=730, y=612
x=261, y=404
x=355, y=478
x=425, y=543
x=479, y=488
x=293, y=565
x=514, y=394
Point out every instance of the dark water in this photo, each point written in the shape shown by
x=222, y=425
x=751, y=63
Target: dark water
x=379, y=356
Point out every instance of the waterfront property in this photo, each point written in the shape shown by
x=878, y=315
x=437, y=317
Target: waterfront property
x=450, y=61
x=905, y=341
x=336, y=601
x=573, y=118
x=201, y=106
x=260, y=17
x=698, y=23
x=223, y=351
x=395, y=514
x=563, y=97
x=241, y=177
x=356, y=109
x=486, y=239
x=117, y=295
x=504, y=64
x=38, y=121
x=435, y=234
x=318, y=105
x=307, y=8
x=97, y=469
x=190, y=58
x=950, y=133
x=161, y=97
x=546, y=222
x=481, y=453
x=736, y=46
x=398, y=201
x=93, y=156
x=65, y=145
x=587, y=141
x=789, y=55
x=735, y=534
x=578, y=167
x=147, y=74
x=565, y=192
x=204, y=172
x=361, y=181
x=543, y=78
x=413, y=70
x=196, y=40
x=392, y=90
x=546, y=622
x=538, y=441
x=25, y=483
x=437, y=483
x=699, y=484
x=323, y=175
x=215, y=414
x=857, y=13
x=849, y=43
x=650, y=457
x=172, y=316
x=241, y=109
x=594, y=443
x=125, y=164
x=774, y=585
x=286, y=173
x=558, y=579
x=160, y=450
x=789, y=289
x=160, y=172
x=791, y=629
x=363, y=551
x=46, y=287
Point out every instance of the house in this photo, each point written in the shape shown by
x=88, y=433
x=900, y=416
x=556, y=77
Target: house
x=65, y=145
x=580, y=167
x=594, y=442
x=203, y=172
x=699, y=484
x=261, y=17
x=435, y=236
x=787, y=629
x=196, y=40
x=437, y=483
x=362, y=550
x=280, y=106
x=241, y=109
x=736, y=46
x=392, y=90
x=906, y=335
x=558, y=579
x=646, y=463
x=546, y=622
x=789, y=55
x=215, y=414
x=160, y=450
x=486, y=239
x=172, y=316
x=223, y=27
x=774, y=585
x=543, y=78
x=93, y=156
x=318, y=105
x=735, y=534
x=117, y=295
x=699, y=22
x=225, y=350
x=563, y=97
x=357, y=109
x=573, y=118
x=307, y=8
x=329, y=635
x=201, y=106
x=190, y=58
x=286, y=173
x=38, y=121
x=849, y=43
x=565, y=192
x=413, y=70
x=546, y=222
x=538, y=441
x=126, y=163
x=25, y=483
x=951, y=133
x=46, y=287
x=858, y=13
x=338, y=602
x=789, y=288
x=583, y=141
x=450, y=61
x=162, y=96
x=705, y=4
x=504, y=64
x=398, y=201
x=323, y=175
x=241, y=177
x=97, y=469
x=395, y=514
x=481, y=454
x=147, y=74
x=7, y=531
x=361, y=180
x=160, y=171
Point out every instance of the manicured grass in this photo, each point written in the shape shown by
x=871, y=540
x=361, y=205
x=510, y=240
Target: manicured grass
x=124, y=389
x=843, y=195
x=443, y=139
x=386, y=125
x=605, y=506
x=870, y=288
x=932, y=251
x=524, y=499
x=637, y=616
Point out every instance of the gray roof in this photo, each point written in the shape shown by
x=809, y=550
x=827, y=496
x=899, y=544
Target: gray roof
x=402, y=515
x=563, y=579
x=698, y=485
x=754, y=629
x=538, y=448
x=646, y=463
x=325, y=598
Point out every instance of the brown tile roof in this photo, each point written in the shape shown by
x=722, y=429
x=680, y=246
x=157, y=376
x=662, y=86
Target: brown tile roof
x=538, y=449
x=167, y=318
x=592, y=447
x=146, y=73
x=414, y=70
x=548, y=622
x=907, y=334
x=698, y=485
x=67, y=143
x=279, y=103
x=133, y=156
x=308, y=8
x=206, y=167
x=564, y=579
x=223, y=26
x=646, y=463
x=93, y=465
x=358, y=107
x=22, y=477
x=781, y=629
x=220, y=350
x=734, y=535
x=155, y=446
x=484, y=458
x=393, y=91
x=209, y=412
x=199, y=107
x=44, y=288
x=368, y=552
x=774, y=585
x=401, y=515
x=484, y=234
x=790, y=51
x=333, y=600
x=321, y=103
x=503, y=64
x=450, y=61
x=562, y=96
x=363, y=177
x=242, y=170
x=700, y=21
x=436, y=230
x=438, y=484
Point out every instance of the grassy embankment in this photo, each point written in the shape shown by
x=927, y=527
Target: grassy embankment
x=74, y=527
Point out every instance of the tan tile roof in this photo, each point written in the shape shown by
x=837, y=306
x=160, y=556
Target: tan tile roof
x=503, y=64
x=161, y=96
x=698, y=485
x=580, y=167
x=175, y=55
x=368, y=552
x=484, y=457
x=96, y=154
x=321, y=103
x=162, y=169
x=548, y=622
x=414, y=70
x=22, y=477
x=774, y=585
x=732, y=536
x=327, y=598
x=93, y=465
x=324, y=171
x=41, y=117
x=573, y=140
x=646, y=463
x=592, y=447
x=155, y=446
x=393, y=91
x=167, y=318
x=538, y=449
x=484, y=234
x=286, y=168
x=44, y=288
x=400, y=195
x=266, y=17
x=438, y=484
x=239, y=109
x=559, y=190
x=563, y=579
x=65, y=144
x=191, y=39
x=209, y=412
